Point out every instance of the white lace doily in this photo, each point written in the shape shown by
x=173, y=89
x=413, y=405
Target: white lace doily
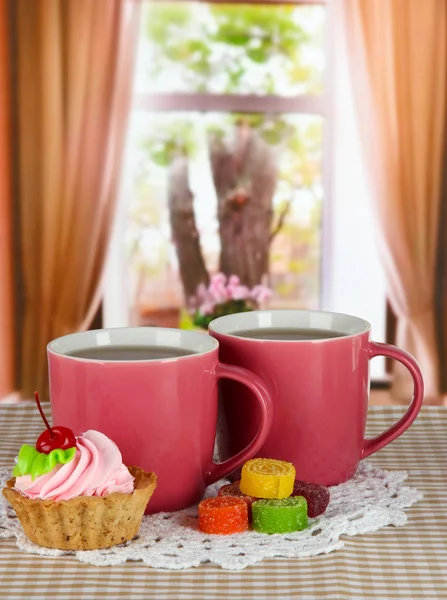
x=373, y=499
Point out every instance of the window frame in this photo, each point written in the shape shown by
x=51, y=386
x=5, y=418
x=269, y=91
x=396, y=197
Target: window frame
x=246, y=103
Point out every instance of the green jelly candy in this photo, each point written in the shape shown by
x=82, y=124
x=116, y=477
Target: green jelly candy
x=280, y=516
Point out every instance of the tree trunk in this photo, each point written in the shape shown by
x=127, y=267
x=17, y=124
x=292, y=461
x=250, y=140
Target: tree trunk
x=184, y=231
x=245, y=179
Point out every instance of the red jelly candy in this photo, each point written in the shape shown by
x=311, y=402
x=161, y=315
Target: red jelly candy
x=234, y=490
x=223, y=515
x=317, y=497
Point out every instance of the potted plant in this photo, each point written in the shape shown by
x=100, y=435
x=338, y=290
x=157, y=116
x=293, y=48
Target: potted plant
x=225, y=296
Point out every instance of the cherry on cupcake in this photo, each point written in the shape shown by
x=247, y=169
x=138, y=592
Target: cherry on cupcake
x=53, y=437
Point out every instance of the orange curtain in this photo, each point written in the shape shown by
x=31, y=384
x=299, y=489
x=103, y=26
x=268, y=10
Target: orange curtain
x=6, y=254
x=74, y=75
x=398, y=63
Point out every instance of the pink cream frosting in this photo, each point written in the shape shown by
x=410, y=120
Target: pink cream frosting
x=96, y=470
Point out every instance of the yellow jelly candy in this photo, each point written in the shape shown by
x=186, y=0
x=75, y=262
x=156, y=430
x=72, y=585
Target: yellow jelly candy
x=267, y=478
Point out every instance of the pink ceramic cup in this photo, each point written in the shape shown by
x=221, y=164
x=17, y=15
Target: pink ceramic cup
x=161, y=413
x=319, y=388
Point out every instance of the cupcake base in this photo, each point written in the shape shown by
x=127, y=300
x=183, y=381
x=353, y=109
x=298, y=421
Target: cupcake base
x=86, y=522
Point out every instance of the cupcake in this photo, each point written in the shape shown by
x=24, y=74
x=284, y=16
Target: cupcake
x=75, y=493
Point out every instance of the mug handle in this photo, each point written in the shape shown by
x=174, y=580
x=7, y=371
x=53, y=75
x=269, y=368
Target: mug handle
x=257, y=386
x=379, y=349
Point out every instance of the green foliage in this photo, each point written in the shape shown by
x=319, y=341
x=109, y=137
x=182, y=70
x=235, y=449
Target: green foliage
x=220, y=46
x=173, y=138
x=228, y=308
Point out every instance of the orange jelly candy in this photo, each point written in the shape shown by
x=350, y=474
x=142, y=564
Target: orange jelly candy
x=223, y=515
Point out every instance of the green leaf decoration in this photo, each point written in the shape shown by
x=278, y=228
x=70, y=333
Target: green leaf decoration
x=34, y=463
x=25, y=460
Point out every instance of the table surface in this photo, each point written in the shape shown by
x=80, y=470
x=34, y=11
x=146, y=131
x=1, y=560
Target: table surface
x=406, y=562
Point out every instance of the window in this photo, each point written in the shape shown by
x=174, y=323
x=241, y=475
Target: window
x=227, y=130
x=224, y=167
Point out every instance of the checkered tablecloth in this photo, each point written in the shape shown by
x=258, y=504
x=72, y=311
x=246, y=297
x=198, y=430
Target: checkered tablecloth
x=407, y=562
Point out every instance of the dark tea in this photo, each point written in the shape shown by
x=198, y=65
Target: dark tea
x=292, y=333
x=129, y=352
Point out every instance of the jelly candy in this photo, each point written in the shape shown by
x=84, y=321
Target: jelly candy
x=267, y=478
x=280, y=516
x=223, y=515
x=317, y=497
x=234, y=490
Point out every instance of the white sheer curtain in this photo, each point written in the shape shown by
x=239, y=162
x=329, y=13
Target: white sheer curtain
x=396, y=53
x=355, y=279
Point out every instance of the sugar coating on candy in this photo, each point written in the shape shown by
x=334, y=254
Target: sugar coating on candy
x=223, y=515
x=284, y=515
x=317, y=497
x=233, y=489
x=267, y=478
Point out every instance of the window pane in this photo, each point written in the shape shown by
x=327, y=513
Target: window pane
x=231, y=48
x=214, y=181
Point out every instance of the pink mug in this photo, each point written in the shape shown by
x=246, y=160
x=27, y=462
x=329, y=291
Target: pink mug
x=319, y=387
x=162, y=413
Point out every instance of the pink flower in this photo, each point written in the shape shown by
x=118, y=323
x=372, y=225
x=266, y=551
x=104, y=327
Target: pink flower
x=260, y=293
x=201, y=291
x=236, y=291
x=206, y=308
x=217, y=291
x=222, y=290
x=218, y=278
x=239, y=292
x=218, y=295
